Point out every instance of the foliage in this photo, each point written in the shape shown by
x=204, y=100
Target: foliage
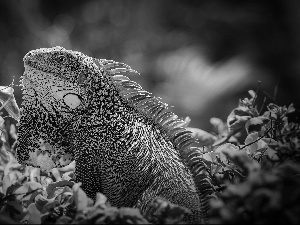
x=258, y=181
x=35, y=198
x=251, y=181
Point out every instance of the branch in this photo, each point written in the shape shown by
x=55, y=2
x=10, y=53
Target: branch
x=240, y=148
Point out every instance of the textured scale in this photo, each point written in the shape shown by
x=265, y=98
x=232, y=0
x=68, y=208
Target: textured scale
x=124, y=141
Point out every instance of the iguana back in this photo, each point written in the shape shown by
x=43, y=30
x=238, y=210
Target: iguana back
x=125, y=142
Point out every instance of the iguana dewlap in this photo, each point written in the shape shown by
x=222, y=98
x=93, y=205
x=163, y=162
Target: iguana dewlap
x=124, y=141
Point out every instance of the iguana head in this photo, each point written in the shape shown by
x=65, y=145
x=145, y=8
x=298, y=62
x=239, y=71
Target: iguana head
x=54, y=84
x=58, y=76
x=59, y=87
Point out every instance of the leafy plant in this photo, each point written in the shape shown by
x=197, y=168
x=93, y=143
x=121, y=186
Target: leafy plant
x=248, y=180
x=261, y=177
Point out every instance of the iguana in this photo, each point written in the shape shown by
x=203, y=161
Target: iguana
x=125, y=142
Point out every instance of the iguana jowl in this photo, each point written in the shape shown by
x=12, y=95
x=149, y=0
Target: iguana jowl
x=125, y=142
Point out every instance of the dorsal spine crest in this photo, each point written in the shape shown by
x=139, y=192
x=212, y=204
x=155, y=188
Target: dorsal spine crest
x=146, y=104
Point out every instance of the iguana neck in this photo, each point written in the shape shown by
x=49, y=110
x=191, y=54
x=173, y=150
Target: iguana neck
x=105, y=105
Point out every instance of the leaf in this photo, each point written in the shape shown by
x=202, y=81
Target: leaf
x=5, y=219
x=27, y=187
x=68, y=176
x=208, y=156
x=168, y=213
x=55, y=192
x=238, y=122
x=17, y=205
x=35, y=175
x=6, y=183
x=238, y=117
x=218, y=124
x=67, y=168
x=81, y=199
x=273, y=108
x=67, y=198
x=12, y=188
x=101, y=200
x=252, y=93
x=131, y=216
x=220, y=141
x=204, y=138
x=45, y=181
x=56, y=174
x=9, y=102
x=291, y=108
x=51, y=187
x=255, y=124
x=241, y=159
x=63, y=194
x=30, y=198
x=241, y=189
x=270, y=141
x=50, y=205
x=11, y=166
x=272, y=154
x=14, y=209
x=13, y=131
x=216, y=170
x=64, y=220
x=4, y=153
x=41, y=201
x=34, y=214
x=220, y=151
x=111, y=215
x=252, y=138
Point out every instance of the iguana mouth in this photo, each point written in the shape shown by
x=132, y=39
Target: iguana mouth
x=30, y=64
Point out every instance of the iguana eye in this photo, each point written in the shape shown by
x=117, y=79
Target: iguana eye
x=61, y=59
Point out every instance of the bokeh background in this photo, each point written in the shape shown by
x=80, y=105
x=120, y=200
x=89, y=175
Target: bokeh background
x=200, y=56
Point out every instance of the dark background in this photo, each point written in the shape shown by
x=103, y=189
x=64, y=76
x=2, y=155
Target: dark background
x=199, y=56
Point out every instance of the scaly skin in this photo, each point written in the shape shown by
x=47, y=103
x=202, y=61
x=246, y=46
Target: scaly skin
x=73, y=109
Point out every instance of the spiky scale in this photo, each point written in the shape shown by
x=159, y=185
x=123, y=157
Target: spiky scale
x=133, y=93
x=120, y=78
x=146, y=105
x=171, y=124
x=173, y=132
x=156, y=110
x=181, y=136
x=164, y=117
x=186, y=143
x=130, y=84
x=135, y=98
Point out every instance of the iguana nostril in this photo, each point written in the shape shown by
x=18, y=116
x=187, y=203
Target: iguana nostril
x=27, y=57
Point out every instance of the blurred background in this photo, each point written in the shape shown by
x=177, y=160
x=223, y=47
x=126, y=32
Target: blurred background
x=200, y=56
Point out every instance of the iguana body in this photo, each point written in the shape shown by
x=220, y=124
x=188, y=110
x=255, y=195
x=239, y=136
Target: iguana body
x=125, y=144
